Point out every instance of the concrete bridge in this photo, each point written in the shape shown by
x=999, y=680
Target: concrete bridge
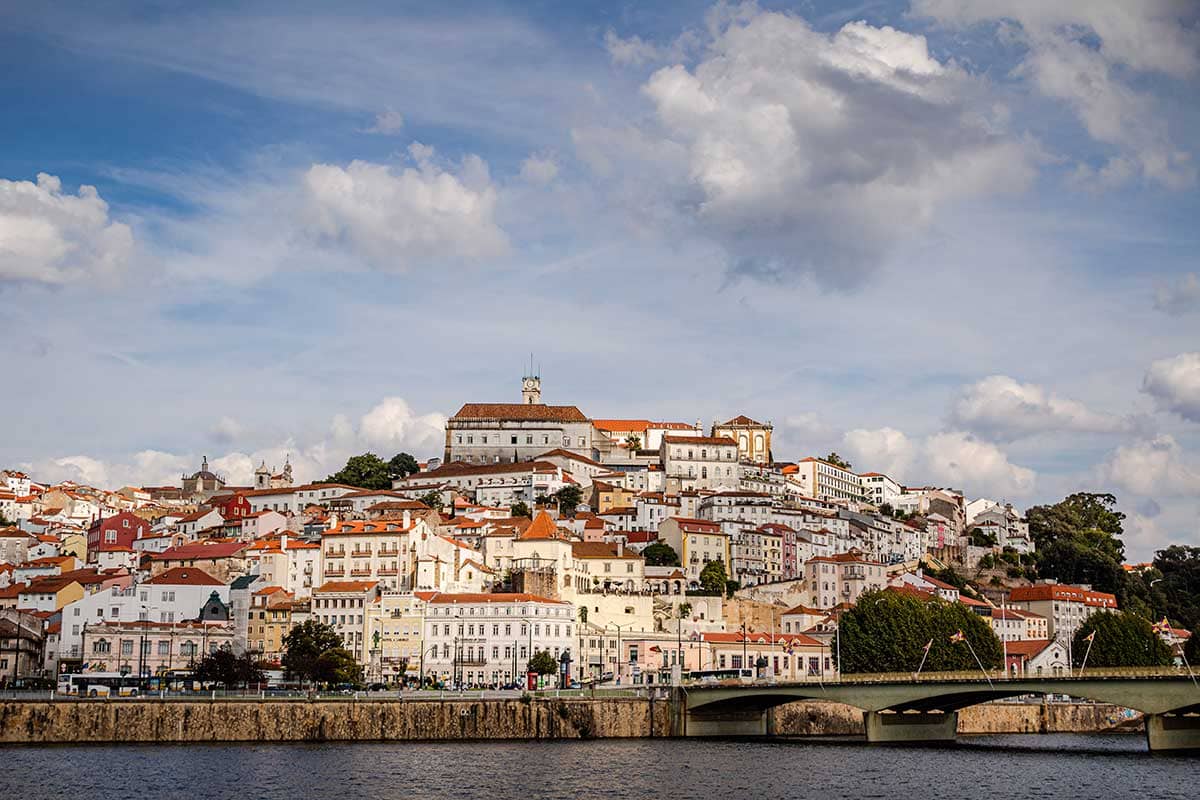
x=900, y=708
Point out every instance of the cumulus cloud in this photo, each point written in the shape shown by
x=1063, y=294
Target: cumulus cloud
x=387, y=123
x=1174, y=383
x=388, y=427
x=807, y=152
x=539, y=169
x=1087, y=55
x=54, y=237
x=419, y=215
x=954, y=458
x=1181, y=298
x=1001, y=407
x=885, y=450
x=1152, y=467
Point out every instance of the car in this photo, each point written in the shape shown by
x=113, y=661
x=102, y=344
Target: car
x=378, y=687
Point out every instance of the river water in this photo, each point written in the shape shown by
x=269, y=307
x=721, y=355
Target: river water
x=1029, y=766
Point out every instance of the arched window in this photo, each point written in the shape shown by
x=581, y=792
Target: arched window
x=704, y=472
x=101, y=646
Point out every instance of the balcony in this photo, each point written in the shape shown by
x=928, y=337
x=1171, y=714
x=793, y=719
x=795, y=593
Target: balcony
x=388, y=572
x=360, y=573
x=334, y=573
x=471, y=661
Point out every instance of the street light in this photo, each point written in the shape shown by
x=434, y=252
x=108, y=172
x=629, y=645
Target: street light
x=618, y=627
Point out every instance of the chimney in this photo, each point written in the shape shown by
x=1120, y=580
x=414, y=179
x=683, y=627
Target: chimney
x=283, y=540
x=406, y=517
x=620, y=547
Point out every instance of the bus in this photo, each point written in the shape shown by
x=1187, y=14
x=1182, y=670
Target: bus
x=99, y=684
x=718, y=675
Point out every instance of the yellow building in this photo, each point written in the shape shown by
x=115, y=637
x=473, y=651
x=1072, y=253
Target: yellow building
x=394, y=638
x=696, y=542
x=270, y=620
x=753, y=438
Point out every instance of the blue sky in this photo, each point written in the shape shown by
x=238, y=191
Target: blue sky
x=953, y=240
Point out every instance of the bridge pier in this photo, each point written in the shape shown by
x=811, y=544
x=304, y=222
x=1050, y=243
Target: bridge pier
x=1166, y=732
x=890, y=727
x=751, y=722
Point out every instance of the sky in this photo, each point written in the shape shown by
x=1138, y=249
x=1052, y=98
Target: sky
x=954, y=240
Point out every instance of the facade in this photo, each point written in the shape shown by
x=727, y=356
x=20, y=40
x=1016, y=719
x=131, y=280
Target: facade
x=202, y=484
x=490, y=484
x=222, y=560
x=878, y=489
x=699, y=462
x=1064, y=607
x=824, y=481
x=120, y=530
x=345, y=605
x=697, y=542
x=115, y=646
x=497, y=433
x=842, y=578
x=753, y=438
x=21, y=645
x=488, y=639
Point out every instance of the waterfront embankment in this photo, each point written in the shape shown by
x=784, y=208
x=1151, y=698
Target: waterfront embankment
x=162, y=721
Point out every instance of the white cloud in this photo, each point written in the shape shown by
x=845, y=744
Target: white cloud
x=1152, y=467
x=1002, y=407
x=387, y=428
x=416, y=216
x=885, y=450
x=953, y=459
x=539, y=169
x=1182, y=298
x=49, y=236
x=1174, y=383
x=387, y=123
x=800, y=151
x=1083, y=53
x=226, y=430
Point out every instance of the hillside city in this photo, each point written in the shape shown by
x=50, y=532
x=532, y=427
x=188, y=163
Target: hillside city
x=546, y=546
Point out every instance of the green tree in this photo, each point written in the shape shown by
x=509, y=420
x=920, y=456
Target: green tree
x=633, y=442
x=1177, y=594
x=520, y=509
x=731, y=586
x=337, y=666
x=713, y=577
x=1191, y=650
x=837, y=461
x=367, y=471
x=1078, y=541
x=305, y=644
x=888, y=631
x=684, y=611
x=568, y=497
x=229, y=669
x=543, y=663
x=401, y=466
x=433, y=499
x=1122, y=640
x=660, y=554
x=982, y=538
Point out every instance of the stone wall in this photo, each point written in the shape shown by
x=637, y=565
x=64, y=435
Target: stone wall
x=275, y=721
x=835, y=719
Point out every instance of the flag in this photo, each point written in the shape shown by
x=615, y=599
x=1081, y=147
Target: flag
x=928, y=645
x=655, y=649
x=1091, y=636
x=958, y=637
x=1161, y=627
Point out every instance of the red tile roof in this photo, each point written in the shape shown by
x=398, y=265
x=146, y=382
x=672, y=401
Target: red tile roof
x=184, y=576
x=201, y=550
x=531, y=412
x=480, y=597
x=1061, y=591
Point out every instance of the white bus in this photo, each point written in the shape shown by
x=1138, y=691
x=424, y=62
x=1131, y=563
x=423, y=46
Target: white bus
x=98, y=684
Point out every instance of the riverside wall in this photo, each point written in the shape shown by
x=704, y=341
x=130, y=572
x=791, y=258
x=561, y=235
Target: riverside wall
x=158, y=721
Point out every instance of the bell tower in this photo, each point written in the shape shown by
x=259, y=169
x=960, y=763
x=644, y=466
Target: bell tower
x=531, y=386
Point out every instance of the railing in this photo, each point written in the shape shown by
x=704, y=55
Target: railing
x=971, y=676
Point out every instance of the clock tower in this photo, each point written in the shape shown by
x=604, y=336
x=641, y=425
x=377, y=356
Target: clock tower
x=531, y=390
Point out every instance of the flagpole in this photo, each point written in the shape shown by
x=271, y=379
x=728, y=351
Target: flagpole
x=963, y=638
x=924, y=655
x=1091, y=640
x=1191, y=674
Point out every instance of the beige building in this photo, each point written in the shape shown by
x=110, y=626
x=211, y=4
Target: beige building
x=696, y=542
x=842, y=578
x=498, y=433
x=345, y=605
x=1064, y=607
x=753, y=438
x=699, y=462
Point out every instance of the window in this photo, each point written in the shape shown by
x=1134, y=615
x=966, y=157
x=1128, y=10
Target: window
x=164, y=648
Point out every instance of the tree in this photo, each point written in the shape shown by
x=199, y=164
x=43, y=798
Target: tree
x=837, y=461
x=228, y=668
x=1122, y=640
x=713, y=577
x=660, y=554
x=887, y=632
x=1078, y=541
x=520, y=509
x=305, y=644
x=1191, y=650
x=982, y=538
x=684, y=611
x=543, y=663
x=1177, y=594
x=433, y=499
x=402, y=465
x=731, y=587
x=337, y=666
x=633, y=442
x=568, y=497
x=367, y=471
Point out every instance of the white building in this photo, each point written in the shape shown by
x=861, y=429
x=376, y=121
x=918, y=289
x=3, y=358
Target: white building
x=823, y=480
x=488, y=639
x=879, y=488
x=699, y=462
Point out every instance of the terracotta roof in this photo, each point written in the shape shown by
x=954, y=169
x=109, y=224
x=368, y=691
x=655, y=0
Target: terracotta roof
x=184, y=576
x=543, y=527
x=599, y=550
x=761, y=637
x=1027, y=647
x=200, y=550
x=360, y=527
x=712, y=440
x=1061, y=591
x=439, y=598
x=692, y=522
x=622, y=425
x=740, y=419
x=455, y=468
x=520, y=411
x=346, y=586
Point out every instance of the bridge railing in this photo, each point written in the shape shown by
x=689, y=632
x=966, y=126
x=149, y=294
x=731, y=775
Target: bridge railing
x=995, y=675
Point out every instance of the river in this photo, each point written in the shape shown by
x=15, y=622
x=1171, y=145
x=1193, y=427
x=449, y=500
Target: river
x=1028, y=766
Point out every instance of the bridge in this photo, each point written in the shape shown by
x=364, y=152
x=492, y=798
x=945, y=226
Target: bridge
x=902, y=708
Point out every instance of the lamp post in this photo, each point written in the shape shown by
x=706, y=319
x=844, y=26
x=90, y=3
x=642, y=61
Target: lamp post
x=421, y=667
x=744, y=655
x=619, y=654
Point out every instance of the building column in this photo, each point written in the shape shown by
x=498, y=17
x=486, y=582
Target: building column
x=891, y=727
x=1172, y=732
